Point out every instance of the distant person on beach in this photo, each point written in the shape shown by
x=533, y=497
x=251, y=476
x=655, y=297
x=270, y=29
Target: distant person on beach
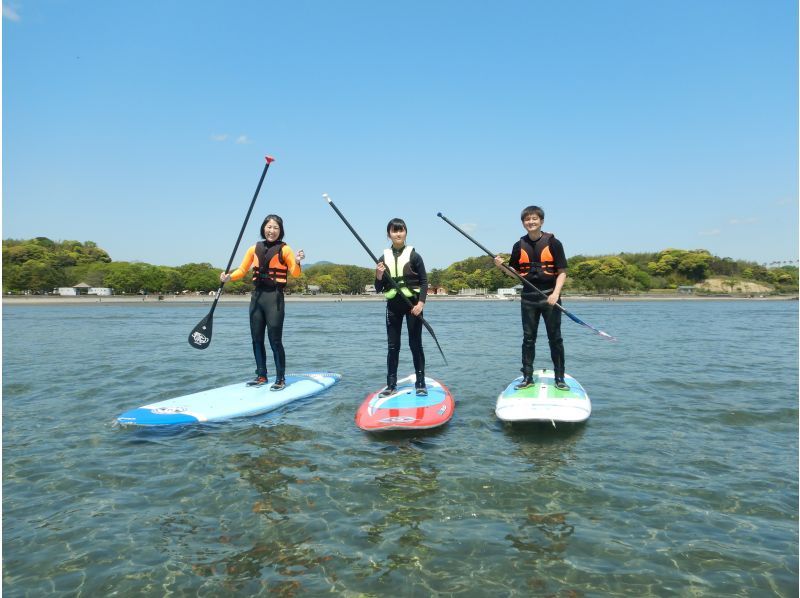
x=539, y=257
x=272, y=261
x=405, y=266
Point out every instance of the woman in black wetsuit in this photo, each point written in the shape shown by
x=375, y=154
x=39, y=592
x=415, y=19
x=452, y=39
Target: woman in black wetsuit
x=272, y=262
x=405, y=266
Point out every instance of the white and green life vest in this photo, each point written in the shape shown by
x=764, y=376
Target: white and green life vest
x=399, y=269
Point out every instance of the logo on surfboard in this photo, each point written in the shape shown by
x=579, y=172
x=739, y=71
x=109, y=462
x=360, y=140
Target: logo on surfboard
x=168, y=410
x=400, y=419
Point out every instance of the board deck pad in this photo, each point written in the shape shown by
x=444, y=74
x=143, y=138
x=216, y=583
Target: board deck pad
x=404, y=410
x=228, y=402
x=543, y=401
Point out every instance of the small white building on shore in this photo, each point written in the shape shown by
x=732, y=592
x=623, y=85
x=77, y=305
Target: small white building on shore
x=472, y=292
x=512, y=292
x=83, y=289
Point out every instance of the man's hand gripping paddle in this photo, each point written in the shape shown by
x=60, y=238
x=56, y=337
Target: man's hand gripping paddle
x=528, y=283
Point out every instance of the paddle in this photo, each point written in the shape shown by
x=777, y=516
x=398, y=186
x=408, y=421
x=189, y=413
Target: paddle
x=527, y=282
x=386, y=276
x=200, y=336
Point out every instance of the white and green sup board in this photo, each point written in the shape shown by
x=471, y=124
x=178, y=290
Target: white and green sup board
x=543, y=402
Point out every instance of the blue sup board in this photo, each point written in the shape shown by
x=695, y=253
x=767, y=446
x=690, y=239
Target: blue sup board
x=228, y=402
x=543, y=402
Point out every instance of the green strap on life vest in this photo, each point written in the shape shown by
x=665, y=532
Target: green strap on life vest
x=396, y=266
x=392, y=293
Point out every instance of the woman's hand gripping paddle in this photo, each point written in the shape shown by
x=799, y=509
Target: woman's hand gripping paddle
x=386, y=276
x=200, y=336
x=528, y=283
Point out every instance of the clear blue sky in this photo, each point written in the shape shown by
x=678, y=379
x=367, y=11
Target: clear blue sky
x=636, y=125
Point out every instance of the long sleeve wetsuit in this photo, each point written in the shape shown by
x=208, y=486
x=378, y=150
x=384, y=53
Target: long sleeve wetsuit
x=398, y=308
x=267, y=309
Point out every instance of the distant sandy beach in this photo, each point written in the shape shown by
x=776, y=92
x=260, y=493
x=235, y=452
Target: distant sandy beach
x=172, y=299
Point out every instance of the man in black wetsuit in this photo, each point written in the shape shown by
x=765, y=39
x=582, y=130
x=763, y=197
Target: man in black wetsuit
x=540, y=258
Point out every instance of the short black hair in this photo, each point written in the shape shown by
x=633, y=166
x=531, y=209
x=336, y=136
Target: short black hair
x=277, y=219
x=532, y=210
x=396, y=224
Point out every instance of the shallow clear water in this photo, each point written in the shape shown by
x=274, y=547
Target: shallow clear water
x=683, y=482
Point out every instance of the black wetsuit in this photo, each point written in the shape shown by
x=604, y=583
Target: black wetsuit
x=396, y=309
x=535, y=306
x=267, y=312
x=266, y=315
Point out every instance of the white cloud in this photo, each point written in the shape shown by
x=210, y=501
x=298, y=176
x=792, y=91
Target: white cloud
x=735, y=221
x=10, y=13
x=220, y=137
x=710, y=233
x=469, y=228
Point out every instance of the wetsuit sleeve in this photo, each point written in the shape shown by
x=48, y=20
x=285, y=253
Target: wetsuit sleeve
x=246, y=264
x=559, y=257
x=290, y=261
x=380, y=285
x=514, y=259
x=419, y=267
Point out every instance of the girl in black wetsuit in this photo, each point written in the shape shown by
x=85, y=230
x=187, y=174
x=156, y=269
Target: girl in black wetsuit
x=406, y=267
x=272, y=262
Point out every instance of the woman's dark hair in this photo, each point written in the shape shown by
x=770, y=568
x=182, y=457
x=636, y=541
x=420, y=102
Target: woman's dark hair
x=277, y=219
x=396, y=224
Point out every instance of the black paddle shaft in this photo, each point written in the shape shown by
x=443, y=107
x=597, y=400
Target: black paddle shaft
x=386, y=275
x=493, y=256
x=200, y=336
x=528, y=283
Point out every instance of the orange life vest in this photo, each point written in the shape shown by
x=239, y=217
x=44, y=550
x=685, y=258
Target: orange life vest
x=546, y=265
x=270, y=269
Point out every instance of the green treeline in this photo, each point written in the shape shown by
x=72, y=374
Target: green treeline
x=625, y=272
x=40, y=265
x=669, y=269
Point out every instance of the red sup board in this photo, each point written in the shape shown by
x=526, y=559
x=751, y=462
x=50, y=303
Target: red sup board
x=404, y=410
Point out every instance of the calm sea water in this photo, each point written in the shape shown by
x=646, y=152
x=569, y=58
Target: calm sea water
x=683, y=482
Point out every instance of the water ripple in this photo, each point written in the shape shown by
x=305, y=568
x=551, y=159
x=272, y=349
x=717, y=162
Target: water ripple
x=683, y=482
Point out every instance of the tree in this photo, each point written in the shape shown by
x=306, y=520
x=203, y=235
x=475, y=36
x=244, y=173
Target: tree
x=124, y=277
x=434, y=278
x=92, y=274
x=200, y=277
x=694, y=265
x=153, y=279
x=172, y=280
x=666, y=262
x=335, y=278
x=296, y=285
x=456, y=281
x=39, y=277
x=357, y=278
x=12, y=279
x=19, y=254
